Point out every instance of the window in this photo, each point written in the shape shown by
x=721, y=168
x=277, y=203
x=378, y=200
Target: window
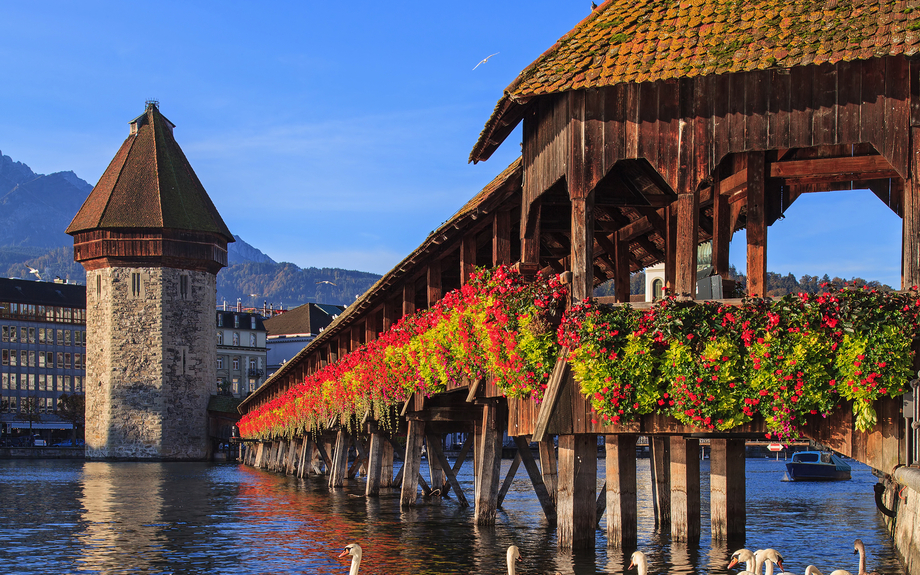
x=136, y=287
x=42, y=382
x=31, y=335
x=60, y=360
x=252, y=340
x=66, y=386
x=78, y=338
x=5, y=333
x=252, y=385
x=220, y=338
x=220, y=363
x=31, y=359
x=236, y=338
x=5, y=357
x=657, y=288
x=13, y=357
x=236, y=386
x=24, y=358
x=220, y=320
x=98, y=286
x=66, y=337
x=23, y=335
x=183, y=286
x=236, y=364
x=60, y=337
x=5, y=379
x=78, y=361
x=12, y=407
x=67, y=364
x=31, y=382
x=252, y=364
x=52, y=383
x=41, y=335
x=78, y=384
x=41, y=359
x=252, y=322
x=13, y=333
x=236, y=321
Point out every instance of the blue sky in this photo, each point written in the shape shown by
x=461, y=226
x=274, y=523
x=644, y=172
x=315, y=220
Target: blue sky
x=330, y=134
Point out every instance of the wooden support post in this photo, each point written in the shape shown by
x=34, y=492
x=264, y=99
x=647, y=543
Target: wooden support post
x=910, y=229
x=386, y=465
x=360, y=458
x=685, y=488
x=727, y=489
x=435, y=472
x=621, y=278
x=551, y=395
x=324, y=447
x=670, y=249
x=688, y=210
x=464, y=451
x=467, y=257
x=756, y=226
x=501, y=238
x=434, y=282
x=437, y=454
x=576, y=491
x=301, y=457
x=412, y=462
x=488, y=467
x=408, y=299
x=339, y=460
x=721, y=227
x=374, y=464
x=548, y=467
x=582, y=253
x=530, y=235
x=509, y=478
x=622, y=511
x=536, y=479
x=661, y=481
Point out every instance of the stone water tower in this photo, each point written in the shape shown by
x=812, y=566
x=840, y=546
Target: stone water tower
x=152, y=243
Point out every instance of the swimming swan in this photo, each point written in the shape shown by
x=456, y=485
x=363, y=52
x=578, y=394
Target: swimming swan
x=354, y=550
x=638, y=561
x=514, y=554
x=858, y=547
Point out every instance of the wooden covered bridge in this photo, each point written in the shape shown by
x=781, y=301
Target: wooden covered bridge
x=648, y=129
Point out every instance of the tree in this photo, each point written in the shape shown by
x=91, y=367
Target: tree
x=72, y=408
x=29, y=410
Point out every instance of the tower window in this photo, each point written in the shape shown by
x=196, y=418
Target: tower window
x=183, y=286
x=98, y=286
x=135, y=284
x=657, y=288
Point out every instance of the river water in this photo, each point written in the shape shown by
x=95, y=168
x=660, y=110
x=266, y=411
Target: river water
x=188, y=518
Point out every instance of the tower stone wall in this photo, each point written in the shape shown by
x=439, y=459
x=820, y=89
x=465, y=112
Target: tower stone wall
x=151, y=363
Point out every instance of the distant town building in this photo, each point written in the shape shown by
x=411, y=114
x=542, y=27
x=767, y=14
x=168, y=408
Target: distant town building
x=291, y=331
x=42, y=348
x=241, y=352
x=151, y=242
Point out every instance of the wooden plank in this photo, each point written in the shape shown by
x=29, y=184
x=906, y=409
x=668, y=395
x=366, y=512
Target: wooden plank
x=582, y=248
x=910, y=241
x=615, y=123
x=339, y=460
x=756, y=226
x=474, y=389
x=434, y=282
x=756, y=88
x=464, y=451
x=914, y=81
x=374, y=465
x=701, y=123
x=848, y=101
x=688, y=209
x=541, y=489
x=501, y=239
x=670, y=134
x=872, y=113
x=576, y=491
x=620, y=491
x=530, y=235
x=489, y=466
x=800, y=122
x=632, y=111
x=549, y=467
x=360, y=458
x=721, y=96
x=834, y=169
x=824, y=119
x=779, y=115
x=685, y=488
x=551, y=395
x=593, y=130
x=722, y=231
x=509, y=478
x=435, y=472
x=660, y=469
x=897, y=115
x=412, y=462
x=434, y=450
x=737, y=119
x=727, y=489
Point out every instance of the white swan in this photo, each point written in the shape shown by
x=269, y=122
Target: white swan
x=638, y=561
x=858, y=547
x=743, y=556
x=812, y=570
x=772, y=557
x=354, y=550
x=514, y=555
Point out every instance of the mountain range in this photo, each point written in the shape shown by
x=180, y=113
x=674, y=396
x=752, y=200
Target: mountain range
x=35, y=209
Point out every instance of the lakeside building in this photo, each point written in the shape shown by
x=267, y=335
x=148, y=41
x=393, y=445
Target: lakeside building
x=241, y=352
x=42, y=348
x=291, y=331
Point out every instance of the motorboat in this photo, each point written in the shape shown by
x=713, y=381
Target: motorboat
x=817, y=466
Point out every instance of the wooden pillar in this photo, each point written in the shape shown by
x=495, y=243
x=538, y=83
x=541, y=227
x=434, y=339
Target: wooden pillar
x=374, y=464
x=371, y=329
x=670, y=248
x=434, y=282
x=576, y=514
x=488, y=470
x=386, y=465
x=435, y=472
x=622, y=510
x=408, y=299
x=621, y=278
x=501, y=238
x=910, y=229
x=548, y=467
x=412, y=462
x=530, y=235
x=467, y=257
x=721, y=227
x=756, y=226
x=661, y=480
x=390, y=315
x=685, y=488
x=583, y=247
x=727, y=489
x=339, y=460
x=688, y=209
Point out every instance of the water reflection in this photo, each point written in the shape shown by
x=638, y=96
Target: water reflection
x=72, y=517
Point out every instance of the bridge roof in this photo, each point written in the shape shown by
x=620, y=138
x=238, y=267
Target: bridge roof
x=650, y=40
x=149, y=184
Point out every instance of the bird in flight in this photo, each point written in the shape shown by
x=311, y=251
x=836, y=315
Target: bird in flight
x=326, y=282
x=484, y=60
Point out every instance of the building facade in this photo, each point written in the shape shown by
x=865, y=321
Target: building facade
x=291, y=331
x=42, y=344
x=241, y=352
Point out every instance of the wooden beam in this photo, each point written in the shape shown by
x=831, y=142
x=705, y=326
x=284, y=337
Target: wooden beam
x=464, y=451
x=721, y=232
x=685, y=488
x=756, y=226
x=501, y=238
x=547, y=501
x=467, y=257
x=910, y=229
x=548, y=467
x=582, y=247
x=509, y=478
x=688, y=213
x=412, y=463
x=339, y=460
x=435, y=472
x=620, y=491
x=551, y=395
x=374, y=465
x=575, y=507
x=489, y=465
x=438, y=454
x=660, y=470
x=408, y=298
x=530, y=235
x=434, y=282
x=834, y=169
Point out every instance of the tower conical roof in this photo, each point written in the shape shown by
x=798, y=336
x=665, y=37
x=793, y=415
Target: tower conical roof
x=149, y=185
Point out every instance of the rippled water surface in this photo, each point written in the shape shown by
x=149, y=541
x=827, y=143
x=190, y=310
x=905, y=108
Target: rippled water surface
x=91, y=517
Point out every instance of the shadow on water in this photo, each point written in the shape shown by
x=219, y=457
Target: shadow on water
x=76, y=517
